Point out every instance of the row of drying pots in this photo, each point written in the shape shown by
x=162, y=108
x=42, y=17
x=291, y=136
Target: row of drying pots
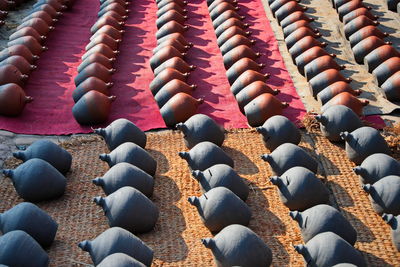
x=23, y=49
x=255, y=98
x=91, y=95
x=128, y=186
x=379, y=57
x=327, y=84
x=222, y=206
x=169, y=87
x=39, y=178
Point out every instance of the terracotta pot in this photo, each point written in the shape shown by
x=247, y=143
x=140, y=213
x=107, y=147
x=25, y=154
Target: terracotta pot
x=91, y=83
x=358, y=23
x=215, y=3
x=251, y=91
x=31, y=43
x=110, y=31
x=113, y=7
x=298, y=34
x=293, y=17
x=275, y=5
x=175, y=63
x=101, y=49
x=104, y=39
x=349, y=7
x=94, y=70
x=171, y=42
x=238, y=53
x=106, y=21
x=178, y=36
x=362, y=11
x=319, y=65
x=391, y=87
x=262, y=108
x=115, y=15
x=241, y=66
x=42, y=15
x=295, y=25
x=18, y=50
x=225, y=16
x=338, y=3
x=171, y=6
x=309, y=55
x=221, y=8
x=48, y=9
x=38, y=24
x=20, y=62
x=10, y=74
x=54, y=3
x=246, y=78
x=12, y=99
x=229, y=23
x=172, y=88
x=170, y=28
x=364, y=33
x=334, y=89
x=386, y=69
x=285, y=10
x=348, y=100
x=303, y=45
x=163, y=55
x=98, y=58
x=235, y=41
x=168, y=16
x=92, y=108
x=179, y=108
x=232, y=31
x=27, y=31
x=162, y=3
x=326, y=78
x=164, y=77
x=366, y=46
x=379, y=55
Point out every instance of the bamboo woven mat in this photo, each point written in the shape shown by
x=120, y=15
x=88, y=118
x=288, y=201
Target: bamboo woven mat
x=176, y=238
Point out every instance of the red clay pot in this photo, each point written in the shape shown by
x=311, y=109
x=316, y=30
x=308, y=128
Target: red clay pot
x=379, y=55
x=246, y=78
x=31, y=43
x=91, y=83
x=348, y=100
x=104, y=39
x=251, y=91
x=172, y=88
x=163, y=55
x=295, y=16
x=309, y=55
x=357, y=24
x=338, y=3
x=170, y=28
x=48, y=9
x=326, y=78
x=94, y=70
x=161, y=4
x=168, y=16
x=10, y=74
x=53, y=3
x=287, y=9
x=92, y=108
x=18, y=50
x=221, y=8
x=98, y=58
x=262, y=108
x=386, y=69
x=232, y=31
x=349, y=7
x=366, y=46
x=12, y=99
x=364, y=33
x=106, y=21
x=42, y=15
x=303, y=45
x=296, y=25
x=238, y=53
x=176, y=63
x=391, y=87
x=38, y=24
x=179, y=108
x=358, y=12
x=114, y=15
x=171, y=6
x=225, y=16
x=319, y=65
x=215, y=3
x=298, y=34
x=110, y=31
x=275, y=5
x=241, y=66
x=27, y=31
x=164, y=77
x=20, y=62
x=171, y=42
x=334, y=89
x=113, y=7
x=229, y=23
x=101, y=49
x=177, y=36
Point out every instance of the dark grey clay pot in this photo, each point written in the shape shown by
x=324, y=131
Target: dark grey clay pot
x=377, y=166
x=120, y=260
x=394, y=222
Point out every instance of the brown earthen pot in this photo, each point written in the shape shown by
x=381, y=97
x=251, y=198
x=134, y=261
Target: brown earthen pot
x=221, y=8
x=12, y=99
x=326, y=78
x=171, y=42
x=298, y=34
x=38, y=24
x=163, y=55
x=164, y=77
x=31, y=43
x=303, y=45
x=104, y=39
x=91, y=83
x=10, y=74
x=102, y=49
x=20, y=62
x=362, y=11
x=348, y=100
x=241, y=66
x=18, y=50
x=94, y=70
x=238, y=53
x=110, y=31
x=295, y=16
x=48, y=9
x=99, y=58
x=319, y=65
x=178, y=36
x=170, y=15
x=235, y=41
x=27, y=31
x=171, y=6
x=175, y=63
x=179, y=108
x=309, y=55
x=247, y=78
x=232, y=31
x=103, y=21
x=366, y=32
x=229, y=23
x=172, y=88
x=334, y=89
x=171, y=27
x=92, y=108
x=357, y=24
x=114, y=7
x=379, y=55
x=42, y=15
x=225, y=16
x=251, y=91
